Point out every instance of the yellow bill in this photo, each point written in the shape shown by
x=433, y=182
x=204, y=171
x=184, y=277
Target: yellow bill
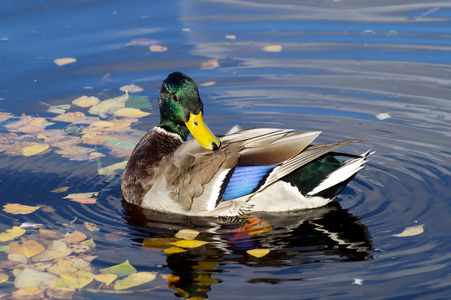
x=202, y=133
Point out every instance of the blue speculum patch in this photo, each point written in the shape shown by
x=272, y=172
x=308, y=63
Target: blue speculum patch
x=245, y=180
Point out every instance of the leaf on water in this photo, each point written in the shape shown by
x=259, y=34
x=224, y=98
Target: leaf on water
x=27, y=225
x=91, y=226
x=411, y=231
x=77, y=153
x=64, y=61
x=109, y=105
x=230, y=37
x=131, y=88
x=140, y=102
x=106, y=278
x=90, y=243
x=383, y=116
x=75, y=237
x=95, y=155
x=134, y=280
x=60, y=293
x=85, y=101
x=30, y=277
x=158, y=48
x=258, y=252
x=60, y=190
x=114, y=125
x=121, y=270
x=93, y=139
x=4, y=116
x=130, y=112
x=78, y=279
x=56, y=250
x=187, y=234
x=69, y=117
x=18, y=258
x=171, y=278
x=81, y=195
x=50, y=233
x=29, y=248
x=35, y=149
x=189, y=243
x=4, y=248
x=209, y=83
x=3, y=277
x=85, y=200
x=121, y=142
x=19, y=209
x=58, y=109
x=272, y=48
x=31, y=292
x=173, y=250
x=11, y=234
x=159, y=243
x=209, y=64
x=107, y=171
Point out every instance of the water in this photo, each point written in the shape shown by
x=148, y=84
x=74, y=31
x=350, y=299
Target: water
x=341, y=64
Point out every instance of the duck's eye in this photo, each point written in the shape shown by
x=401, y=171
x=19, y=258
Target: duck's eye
x=175, y=98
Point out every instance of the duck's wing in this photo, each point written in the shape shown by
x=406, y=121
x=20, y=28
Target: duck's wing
x=199, y=179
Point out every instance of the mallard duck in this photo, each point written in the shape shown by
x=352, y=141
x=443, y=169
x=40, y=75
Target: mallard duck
x=244, y=171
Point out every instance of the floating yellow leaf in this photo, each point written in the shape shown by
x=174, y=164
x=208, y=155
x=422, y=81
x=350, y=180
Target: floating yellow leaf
x=31, y=292
x=383, y=116
x=60, y=190
x=187, y=234
x=64, y=61
x=131, y=88
x=109, y=105
x=107, y=171
x=89, y=243
x=130, y=112
x=272, y=48
x=56, y=250
x=91, y=226
x=258, y=252
x=85, y=101
x=78, y=279
x=19, y=209
x=173, y=250
x=106, y=278
x=411, y=231
x=77, y=153
x=11, y=234
x=80, y=195
x=69, y=117
x=134, y=280
x=230, y=37
x=120, y=270
x=171, y=278
x=85, y=200
x=29, y=248
x=189, y=243
x=35, y=149
x=159, y=243
x=209, y=83
x=158, y=48
x=209, y=64
x=3, y=277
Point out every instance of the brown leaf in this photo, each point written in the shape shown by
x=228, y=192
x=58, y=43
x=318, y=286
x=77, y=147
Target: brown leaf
x=56, y=250
x=158, y=48
x=85, y=200
x=29, y=248
x=85, y=101
x=75, y=237
x=69, y=117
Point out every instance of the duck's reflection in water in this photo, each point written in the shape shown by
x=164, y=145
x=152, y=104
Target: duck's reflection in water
x=329, y=234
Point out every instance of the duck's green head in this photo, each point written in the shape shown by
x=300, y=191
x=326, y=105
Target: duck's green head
x=181, y=110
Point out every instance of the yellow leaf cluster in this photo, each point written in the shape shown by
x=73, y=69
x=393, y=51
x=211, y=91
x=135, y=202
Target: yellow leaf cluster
x=11, y=234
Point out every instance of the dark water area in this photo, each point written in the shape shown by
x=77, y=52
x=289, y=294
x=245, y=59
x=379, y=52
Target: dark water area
x=351, y=69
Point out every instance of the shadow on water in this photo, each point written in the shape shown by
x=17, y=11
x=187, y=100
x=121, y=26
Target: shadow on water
x=328, y=234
